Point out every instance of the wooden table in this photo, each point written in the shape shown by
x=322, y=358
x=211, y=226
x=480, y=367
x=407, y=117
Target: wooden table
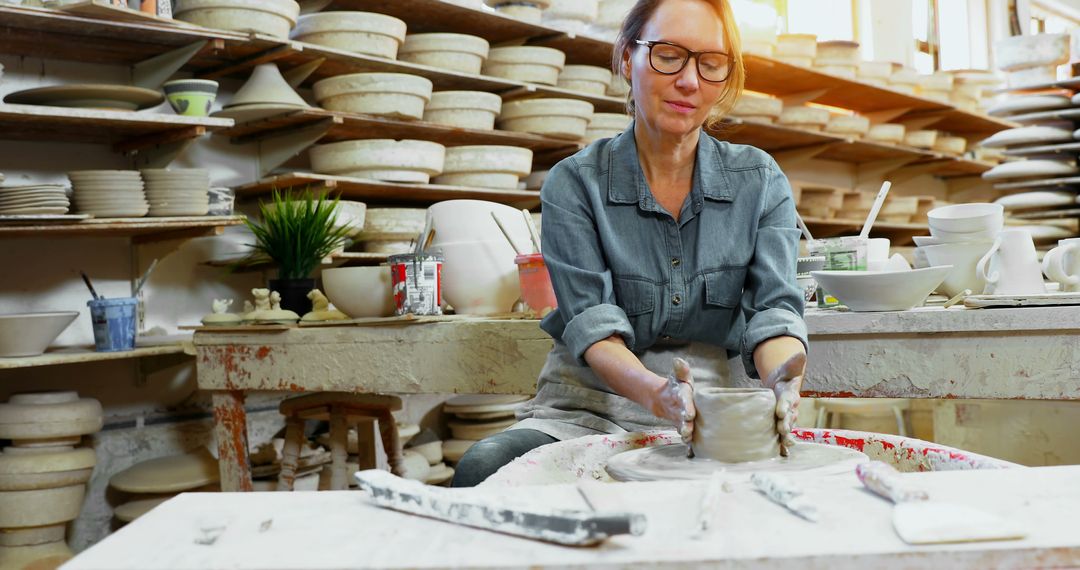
x=1028, y=353
x=341, y=529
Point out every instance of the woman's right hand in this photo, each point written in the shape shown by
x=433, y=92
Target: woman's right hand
x=674, y=399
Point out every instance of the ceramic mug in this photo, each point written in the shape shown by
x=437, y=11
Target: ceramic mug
x=877, y=254
x=1011, y=267
x=1062, y=265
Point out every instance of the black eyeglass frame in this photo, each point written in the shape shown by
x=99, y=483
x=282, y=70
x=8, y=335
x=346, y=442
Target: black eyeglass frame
x=689, y=54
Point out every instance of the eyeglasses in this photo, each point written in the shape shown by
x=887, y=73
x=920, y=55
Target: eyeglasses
x=669, y=59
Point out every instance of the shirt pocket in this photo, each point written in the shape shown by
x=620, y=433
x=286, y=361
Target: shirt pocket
x=637, y=298
x=724, y=287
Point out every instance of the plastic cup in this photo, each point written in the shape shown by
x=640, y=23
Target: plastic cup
x=535, y=281
x=114, y=323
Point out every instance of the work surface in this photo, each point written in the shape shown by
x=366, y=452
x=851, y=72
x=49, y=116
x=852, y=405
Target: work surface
x=325, y=530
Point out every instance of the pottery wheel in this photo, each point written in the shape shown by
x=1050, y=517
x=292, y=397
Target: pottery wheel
x=667, y=462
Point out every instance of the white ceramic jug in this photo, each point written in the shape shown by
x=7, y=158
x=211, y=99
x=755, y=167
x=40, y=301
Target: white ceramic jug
x=1062, y=265
x=1011, y=267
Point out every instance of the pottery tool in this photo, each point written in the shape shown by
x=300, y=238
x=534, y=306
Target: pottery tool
x=89, y=285
x=567, y=527
x=533, y=234
x=506, y=234
x=878, y=202
x=920, y=520
x=709, y=503
x=802, y=226
x=786, y=493
x=959, y=297
x=145, y=277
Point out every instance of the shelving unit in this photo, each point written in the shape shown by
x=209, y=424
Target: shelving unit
x=83, y=355
x=898, y=234
x=142, y=230
x=389, y=192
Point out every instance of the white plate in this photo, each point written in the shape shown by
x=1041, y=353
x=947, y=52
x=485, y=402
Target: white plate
x=26, y=203
x=1028, y=135
x=1031, y=168
x=256, y=111
x=37, y=210
x=1041, y=199
x=114, y=212
x=161, y=212
x=1028, y=104
x=93, y=96
x=32, y=196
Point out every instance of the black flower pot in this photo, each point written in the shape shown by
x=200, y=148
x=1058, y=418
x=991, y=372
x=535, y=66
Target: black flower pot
x=294, y=294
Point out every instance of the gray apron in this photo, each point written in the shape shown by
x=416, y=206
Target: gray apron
x=572, y=401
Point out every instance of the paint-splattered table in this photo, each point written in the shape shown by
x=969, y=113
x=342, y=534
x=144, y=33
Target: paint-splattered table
x=1031, y=352
x=340, y=529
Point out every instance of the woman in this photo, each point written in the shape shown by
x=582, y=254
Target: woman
x=662, y=242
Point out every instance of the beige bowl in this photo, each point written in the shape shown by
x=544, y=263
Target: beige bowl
x=837, y=52
x=360, y=292
x=457, y=52
x=529, y=64
x=757, y=106
x=848, y=125
x=390, y=224
x=380, y=159
x=486, y=166
x=29, y=334
x=386, y=94
x=803, y=116
x=797, y=45
x=585, y=78
x=561, y=118
x=464, y=109
x=359, y=32
x=272, y=17
x=887, y=132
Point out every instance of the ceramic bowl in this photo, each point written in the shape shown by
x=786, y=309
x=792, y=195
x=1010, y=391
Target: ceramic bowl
x=470, y=220
x=360, y=292
x=485, y=166
x=397, y=95
x=585, y=79
x=882, y=290
x=966, y=218
x=463, y=109
x=963, y=257
x=273, y=17
x=29, y=334
x=358, y=32
x=191, y=97
x=457, y=52
x=380, y=159
x=480, y=277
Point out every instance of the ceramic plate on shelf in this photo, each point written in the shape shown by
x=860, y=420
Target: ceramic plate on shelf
x=36, y=210
x=256, y=111
x=1042, y=199
x=1028, y=135
x=1031, y=169
x=1071, y=114
x=1045, y=233
x=1028, y=104
x=1068, y=182
x=43, y=217
x=89, y=96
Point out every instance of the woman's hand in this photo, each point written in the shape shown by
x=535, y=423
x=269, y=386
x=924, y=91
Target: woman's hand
x=786, y=381
x=674, y=400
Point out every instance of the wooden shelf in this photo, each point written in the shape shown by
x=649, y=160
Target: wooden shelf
x=142, y=229
x=770, y=137
x=956, y=166
x=375, y=191
x=898, y=234
x=349, y=126
x=81, y=355
x=1063, y=148
x=124, y=130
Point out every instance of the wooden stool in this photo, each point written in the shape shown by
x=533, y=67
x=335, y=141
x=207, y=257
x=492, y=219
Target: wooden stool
x=342, y=411
x=830, y=408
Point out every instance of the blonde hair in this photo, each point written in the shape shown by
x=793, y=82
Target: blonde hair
x=635, y=21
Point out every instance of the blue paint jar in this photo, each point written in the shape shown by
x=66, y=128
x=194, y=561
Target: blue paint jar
x=114, y=323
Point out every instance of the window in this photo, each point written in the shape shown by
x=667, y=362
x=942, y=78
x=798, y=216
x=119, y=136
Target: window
x=937, y=51
x=829, y=19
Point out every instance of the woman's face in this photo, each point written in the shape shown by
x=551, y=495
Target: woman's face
x=676, y=104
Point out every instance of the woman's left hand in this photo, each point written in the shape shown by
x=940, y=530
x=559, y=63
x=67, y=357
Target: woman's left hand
x=786, y=381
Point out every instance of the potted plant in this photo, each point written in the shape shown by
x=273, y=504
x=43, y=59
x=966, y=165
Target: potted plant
x=297, y=232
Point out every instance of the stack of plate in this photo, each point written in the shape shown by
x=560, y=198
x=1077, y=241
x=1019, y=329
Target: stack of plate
x=37, y=200
x=183, y=192
x=109, y=193
x=476, y=417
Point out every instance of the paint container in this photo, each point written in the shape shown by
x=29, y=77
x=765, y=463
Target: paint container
x=417, y=280
x=847, y=253
x=535, y=281
x=114, y=323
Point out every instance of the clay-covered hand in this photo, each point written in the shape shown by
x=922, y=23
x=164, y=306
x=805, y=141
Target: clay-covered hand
x=786, y=382
x=675, y=399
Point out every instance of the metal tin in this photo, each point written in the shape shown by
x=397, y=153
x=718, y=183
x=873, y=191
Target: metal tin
x=417, y=280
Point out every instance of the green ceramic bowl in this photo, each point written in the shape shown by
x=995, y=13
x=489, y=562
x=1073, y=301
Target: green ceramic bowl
x=191, y=97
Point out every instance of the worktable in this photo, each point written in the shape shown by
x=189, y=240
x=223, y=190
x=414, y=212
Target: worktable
x=1029, y=353
x=334, y=530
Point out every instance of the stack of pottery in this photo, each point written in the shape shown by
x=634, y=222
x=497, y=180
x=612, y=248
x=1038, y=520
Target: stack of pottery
x=589, y=79
x=609, y=18
x=272, y=17
x=606, y=125
x=796, y=49
x=937, y=86
x=887, y=133
x=760, y=108
x=974, y=89
x=181, y=192
x=464, y=109
x=904, y=79
x=1031, y=60
x=391, y=230
x=559, y=118
x=530, y=11
x=485, y=166
x=109, y=193
x=148, y=484
x=479, y=273
x=571, y=16
x=396, y=95
x=856, y=125
x=875, y=72
x=922, y=138
x=475, y=417
x=43, y=474
x=1034, y=133
x=266, y=93
x=359, y=32
x=430, y=447
x=39, y=199
x=949, y=144
x=618, y=86
x=839, y=58
x=525, y=63
x=456, y=52
x=961, y=234
x=380, y=159
x=806, y=118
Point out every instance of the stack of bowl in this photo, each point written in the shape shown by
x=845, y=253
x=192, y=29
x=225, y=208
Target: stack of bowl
x=109, y=193
x=181, y=192
x=475, y=417
x=960, y=235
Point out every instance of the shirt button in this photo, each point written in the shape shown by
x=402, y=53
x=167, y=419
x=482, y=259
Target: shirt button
x=666, y=337
x=676, y=300
x=675, y=261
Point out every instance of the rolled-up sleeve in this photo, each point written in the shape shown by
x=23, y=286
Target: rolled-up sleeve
x=772, y=301
x=575, y=260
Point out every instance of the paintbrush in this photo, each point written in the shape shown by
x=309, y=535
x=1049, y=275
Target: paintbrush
x=505, y=233
x=89, y=286
x=145, y=278
x=533, y=234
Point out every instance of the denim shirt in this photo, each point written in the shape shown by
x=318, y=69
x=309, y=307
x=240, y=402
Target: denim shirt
x=723, y=274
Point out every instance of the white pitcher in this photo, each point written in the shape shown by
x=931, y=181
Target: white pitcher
x=1061, y=264
x=1011, y=267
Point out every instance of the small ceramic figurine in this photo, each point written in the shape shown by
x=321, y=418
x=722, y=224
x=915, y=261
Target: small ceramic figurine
x=321, y=310
x=274, y=314
x=248, y=309
x=220, y=316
